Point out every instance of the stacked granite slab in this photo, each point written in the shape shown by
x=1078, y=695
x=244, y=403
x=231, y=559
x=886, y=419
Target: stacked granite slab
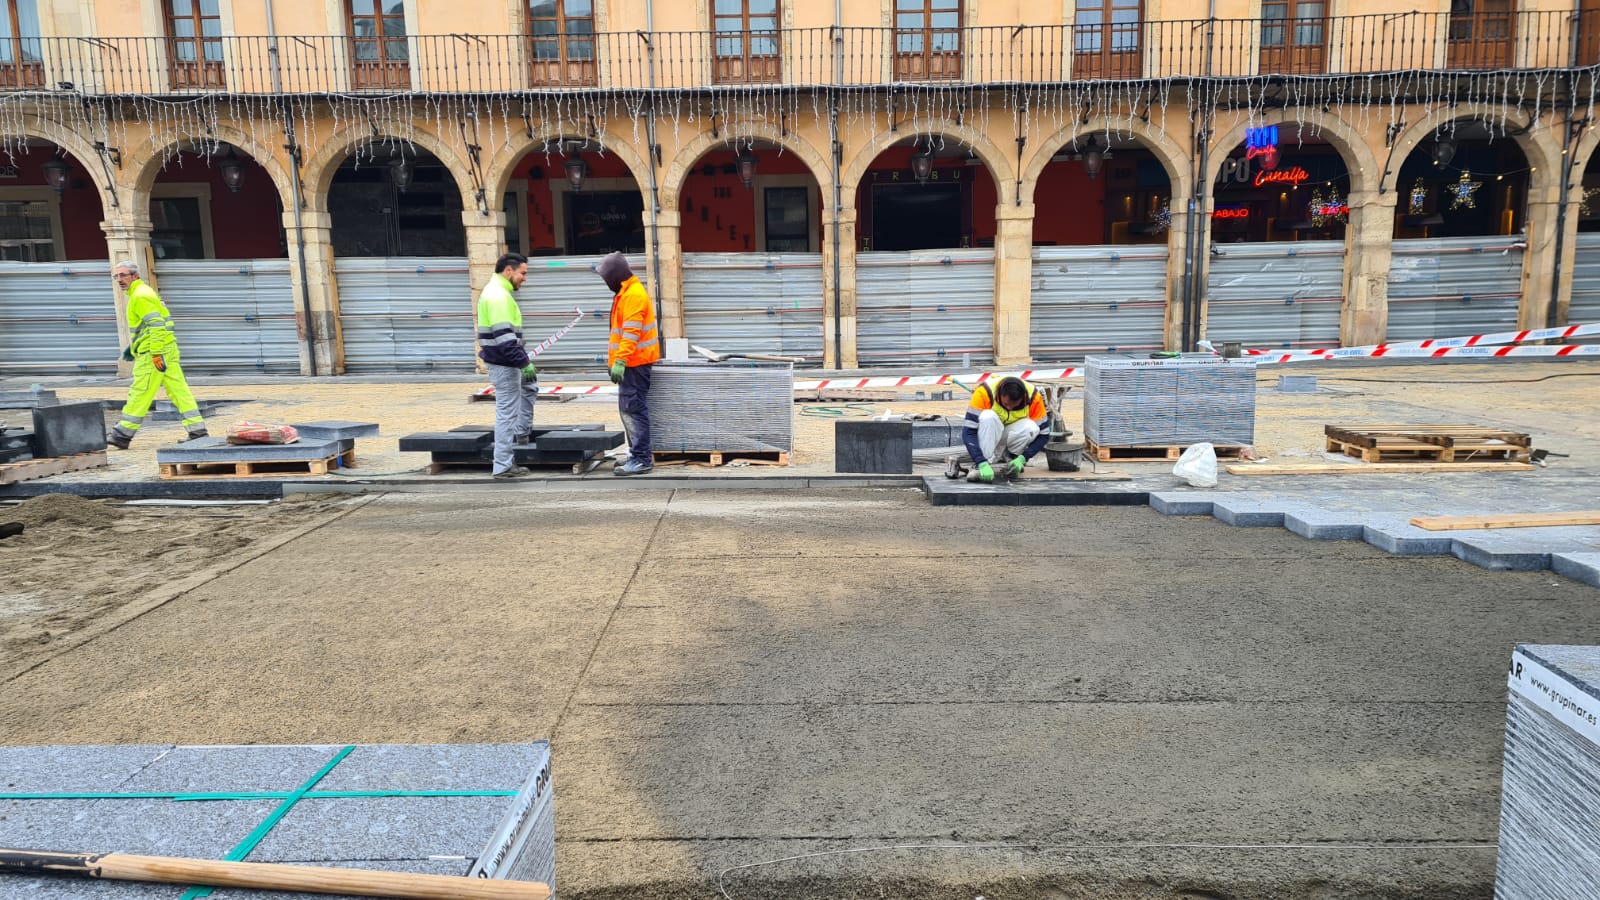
x=1133, y=401
x=16, y=444
x=434, y=809
x=552, y=445
x=1550, y=788
x=27, y=399
x=727, y=406
x=318, y=440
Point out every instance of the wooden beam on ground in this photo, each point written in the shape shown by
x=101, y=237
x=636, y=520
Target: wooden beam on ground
x=1507, y=520
x=1405, y=468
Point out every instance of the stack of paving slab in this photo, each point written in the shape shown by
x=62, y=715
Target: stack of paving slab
x=552, y=445
x=1134, y=401
x=16, y=444
x=476, y=810
x=702, y=407
x=318, y=441
x=1550, y=788
x=28, y=399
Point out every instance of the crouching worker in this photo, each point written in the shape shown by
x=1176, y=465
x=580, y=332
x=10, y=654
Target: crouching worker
x=1005, y=427
x=153, y=350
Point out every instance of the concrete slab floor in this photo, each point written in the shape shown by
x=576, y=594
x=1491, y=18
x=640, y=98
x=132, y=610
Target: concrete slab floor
x=937, y=701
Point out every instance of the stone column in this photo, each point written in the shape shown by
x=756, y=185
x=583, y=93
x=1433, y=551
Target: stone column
x=666, y=286
x=1177, y=263
x=1569, y=260
x=320, y=292
x=1364, y=318
x=840, y=320
x=1013, y=284
x=128, y=239
x=486, y=243
x=1539, y=260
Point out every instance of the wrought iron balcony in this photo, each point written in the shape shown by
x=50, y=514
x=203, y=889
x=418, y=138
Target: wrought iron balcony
x=808, y=58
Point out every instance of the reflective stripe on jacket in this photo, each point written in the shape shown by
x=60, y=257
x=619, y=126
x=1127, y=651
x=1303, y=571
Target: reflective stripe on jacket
x=500, y=325
x=149, y=323
x=634, y=338
x=984, y=398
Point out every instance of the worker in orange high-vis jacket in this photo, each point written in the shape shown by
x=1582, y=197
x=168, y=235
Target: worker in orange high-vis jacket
x=153, y=350
x=635, y=347
x=1007, y=423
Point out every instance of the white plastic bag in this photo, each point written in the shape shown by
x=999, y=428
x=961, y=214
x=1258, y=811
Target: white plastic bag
x=1198, y=466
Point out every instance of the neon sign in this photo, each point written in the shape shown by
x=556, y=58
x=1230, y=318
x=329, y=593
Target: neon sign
x=1242, y=212
x=1262, y=143
x=1294, y=176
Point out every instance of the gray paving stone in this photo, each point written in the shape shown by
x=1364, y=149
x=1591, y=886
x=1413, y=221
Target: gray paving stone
x=337, y=430
x=68, y=429
x=1404, y=539
x=1180, y=503
x=1248, y=513
x=217, y=449
x=446, y=441
x=1491, y=552
x=1579, y=566
x=1325, y=525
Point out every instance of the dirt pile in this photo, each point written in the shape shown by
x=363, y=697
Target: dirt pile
x=66, y=510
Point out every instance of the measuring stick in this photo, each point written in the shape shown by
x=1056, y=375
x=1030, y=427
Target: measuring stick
x=557, y=336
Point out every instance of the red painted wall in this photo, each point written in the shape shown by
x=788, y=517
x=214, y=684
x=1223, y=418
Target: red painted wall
x=1069, y=207
x=246, y=225
x=81, y=212
x=719, y=212
x=540, y=169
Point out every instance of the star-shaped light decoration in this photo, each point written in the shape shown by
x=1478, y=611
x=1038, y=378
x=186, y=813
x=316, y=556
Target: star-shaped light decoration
x=1464, y=192
x=1588, y=194
x=1162, y=218
x=1419, y=198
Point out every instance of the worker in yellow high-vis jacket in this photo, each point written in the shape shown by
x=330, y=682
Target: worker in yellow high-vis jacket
x=153, y=350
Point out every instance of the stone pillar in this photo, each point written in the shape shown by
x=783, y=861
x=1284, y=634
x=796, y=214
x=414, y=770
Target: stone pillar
x=320, y=292
x=1369, y=237
x=486, y=243
x=840, y=320
x=128, y=240
x=1013, y=284
x=667, y=284
x=1569, y=259
x=1177, y=266
x=1539, y=260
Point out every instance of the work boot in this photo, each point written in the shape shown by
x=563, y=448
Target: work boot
x=514, y=472
x=633, y=467
x=118, y=440
x=195, y=434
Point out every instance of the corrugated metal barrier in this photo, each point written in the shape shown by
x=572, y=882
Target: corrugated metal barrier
x=925, y=306
x=1450, y=287
x=1276, y=294
x=555, y=286
x=755, y=303
x=231, y=315
x=404, y=314
x=1585, y=308
x=58, y=318
x=1097, y=299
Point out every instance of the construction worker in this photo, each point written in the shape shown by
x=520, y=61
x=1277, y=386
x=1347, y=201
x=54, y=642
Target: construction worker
x=153, y=350
x=1006, y=425
x=635, y=346
x=513, y=375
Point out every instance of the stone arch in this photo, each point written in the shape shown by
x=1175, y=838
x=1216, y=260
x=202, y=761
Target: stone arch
x=672, y=180
x=497, y=176
x=1358, y=159
x=1538, y=146
x=154, y=153
x=323, y=164
x=1157, y=141
x=81, y=148
x=995, y=161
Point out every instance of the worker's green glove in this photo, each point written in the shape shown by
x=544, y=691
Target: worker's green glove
x=985, y=473
x=530, y=373
x=617, y=368
x=127, y=353
x=1017, y=463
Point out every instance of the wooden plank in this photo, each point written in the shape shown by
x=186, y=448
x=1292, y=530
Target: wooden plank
x=1409, y=468
x=1153, y=453
x=1506, y=520
x=29, y=469
x=255, y=468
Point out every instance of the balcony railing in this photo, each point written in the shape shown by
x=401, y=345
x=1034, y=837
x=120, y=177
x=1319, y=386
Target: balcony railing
x=819, y=57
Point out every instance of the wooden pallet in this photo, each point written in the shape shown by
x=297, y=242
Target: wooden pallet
x=1430, y=443
x=714, y=458
x=1160, y=453
x=29, y=469
x=256, y=468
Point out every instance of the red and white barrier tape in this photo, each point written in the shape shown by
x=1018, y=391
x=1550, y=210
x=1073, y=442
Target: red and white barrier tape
x=546, y=344
x=1477, y=340
x=1426, y=353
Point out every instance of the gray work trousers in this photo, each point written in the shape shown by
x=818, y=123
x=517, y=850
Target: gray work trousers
x=513, y=411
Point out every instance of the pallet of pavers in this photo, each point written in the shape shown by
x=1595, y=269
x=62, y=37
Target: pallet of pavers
x=322, y=448
x=467, y=811
x=580, y=448
x=1428, y=443
x=67, y=437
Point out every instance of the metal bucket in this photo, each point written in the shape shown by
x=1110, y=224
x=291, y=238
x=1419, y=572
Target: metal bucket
x=1063, y=457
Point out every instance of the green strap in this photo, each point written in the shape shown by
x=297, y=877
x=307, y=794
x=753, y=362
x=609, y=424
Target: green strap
x=255, y=795
x=243, y=848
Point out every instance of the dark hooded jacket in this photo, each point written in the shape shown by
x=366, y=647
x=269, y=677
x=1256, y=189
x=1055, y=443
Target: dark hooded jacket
x=614, y=269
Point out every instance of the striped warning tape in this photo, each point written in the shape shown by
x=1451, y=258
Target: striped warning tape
x=881, y=381
x=1435, y=353
x=1560, y=333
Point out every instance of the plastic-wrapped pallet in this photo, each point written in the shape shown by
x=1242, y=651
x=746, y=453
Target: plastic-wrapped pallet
x=1550, y=789
x=1133, y=401
x=736, y=405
